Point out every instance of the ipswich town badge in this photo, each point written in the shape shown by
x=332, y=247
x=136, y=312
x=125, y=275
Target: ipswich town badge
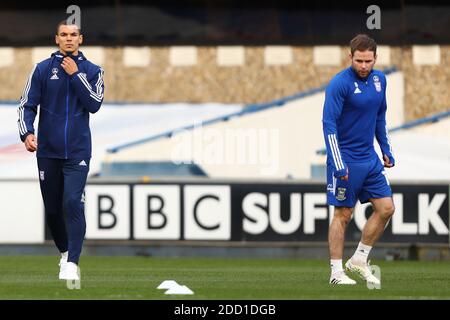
x=341, y=194
x=377, y=83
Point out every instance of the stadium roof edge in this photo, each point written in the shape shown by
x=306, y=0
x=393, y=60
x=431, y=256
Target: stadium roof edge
x=248, y=109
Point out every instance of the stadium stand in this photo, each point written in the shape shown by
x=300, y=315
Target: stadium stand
x=287, y=155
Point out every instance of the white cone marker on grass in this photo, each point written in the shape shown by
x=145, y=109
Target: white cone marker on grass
x=179, y=290
x=173, y=287
x=167, y=284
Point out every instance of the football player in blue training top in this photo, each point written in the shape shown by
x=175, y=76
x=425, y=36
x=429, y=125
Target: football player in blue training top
x=67, y=88
x=354, y=114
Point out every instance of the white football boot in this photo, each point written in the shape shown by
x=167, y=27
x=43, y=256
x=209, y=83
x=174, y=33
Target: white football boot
x=62, y=265
x=363, y=270
x=71, y=272
x=341, y=278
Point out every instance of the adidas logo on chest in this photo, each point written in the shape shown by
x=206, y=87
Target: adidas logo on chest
x=357, y=90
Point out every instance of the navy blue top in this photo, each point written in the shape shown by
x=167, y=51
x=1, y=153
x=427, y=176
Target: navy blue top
x=64, y=105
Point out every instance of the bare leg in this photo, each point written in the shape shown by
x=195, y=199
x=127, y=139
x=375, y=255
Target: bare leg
x=383, y=211
x=336, y=233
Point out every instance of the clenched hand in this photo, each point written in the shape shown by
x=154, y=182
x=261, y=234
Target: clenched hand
x=69, y=66
x=31, y=143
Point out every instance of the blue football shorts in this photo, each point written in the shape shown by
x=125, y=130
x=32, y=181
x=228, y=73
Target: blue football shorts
x=366, y=180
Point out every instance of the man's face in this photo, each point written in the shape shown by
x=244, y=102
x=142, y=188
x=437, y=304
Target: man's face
x=363, y=62
x=68, y=38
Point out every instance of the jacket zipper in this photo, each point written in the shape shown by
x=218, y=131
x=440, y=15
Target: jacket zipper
x=67, y=118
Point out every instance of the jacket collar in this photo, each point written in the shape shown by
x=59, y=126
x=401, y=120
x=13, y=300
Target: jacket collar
x=78, y=58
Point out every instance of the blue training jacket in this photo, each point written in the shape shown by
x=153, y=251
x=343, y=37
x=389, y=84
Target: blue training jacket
x=354, y=114
x=64, y=105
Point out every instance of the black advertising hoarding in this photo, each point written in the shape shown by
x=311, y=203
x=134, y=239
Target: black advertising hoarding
x=300, y=213
x=220, y=211
x=281, y=212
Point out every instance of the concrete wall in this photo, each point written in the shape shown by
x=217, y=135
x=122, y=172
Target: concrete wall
x=237, y=74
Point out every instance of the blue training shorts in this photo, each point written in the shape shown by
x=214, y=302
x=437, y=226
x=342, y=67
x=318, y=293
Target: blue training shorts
x=366, y=180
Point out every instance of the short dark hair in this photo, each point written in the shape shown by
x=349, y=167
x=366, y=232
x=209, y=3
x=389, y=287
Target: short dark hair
x=64, y=23
x=363, y=42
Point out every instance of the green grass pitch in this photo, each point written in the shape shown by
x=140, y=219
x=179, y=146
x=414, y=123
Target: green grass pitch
x=35, y=277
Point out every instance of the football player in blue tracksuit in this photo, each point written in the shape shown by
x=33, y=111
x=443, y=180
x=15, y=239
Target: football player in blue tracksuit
x=67, y=88
x=354, y=114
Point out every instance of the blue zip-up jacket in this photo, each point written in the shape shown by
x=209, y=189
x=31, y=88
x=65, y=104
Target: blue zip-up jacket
x=64, y=105
x=354, y=113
